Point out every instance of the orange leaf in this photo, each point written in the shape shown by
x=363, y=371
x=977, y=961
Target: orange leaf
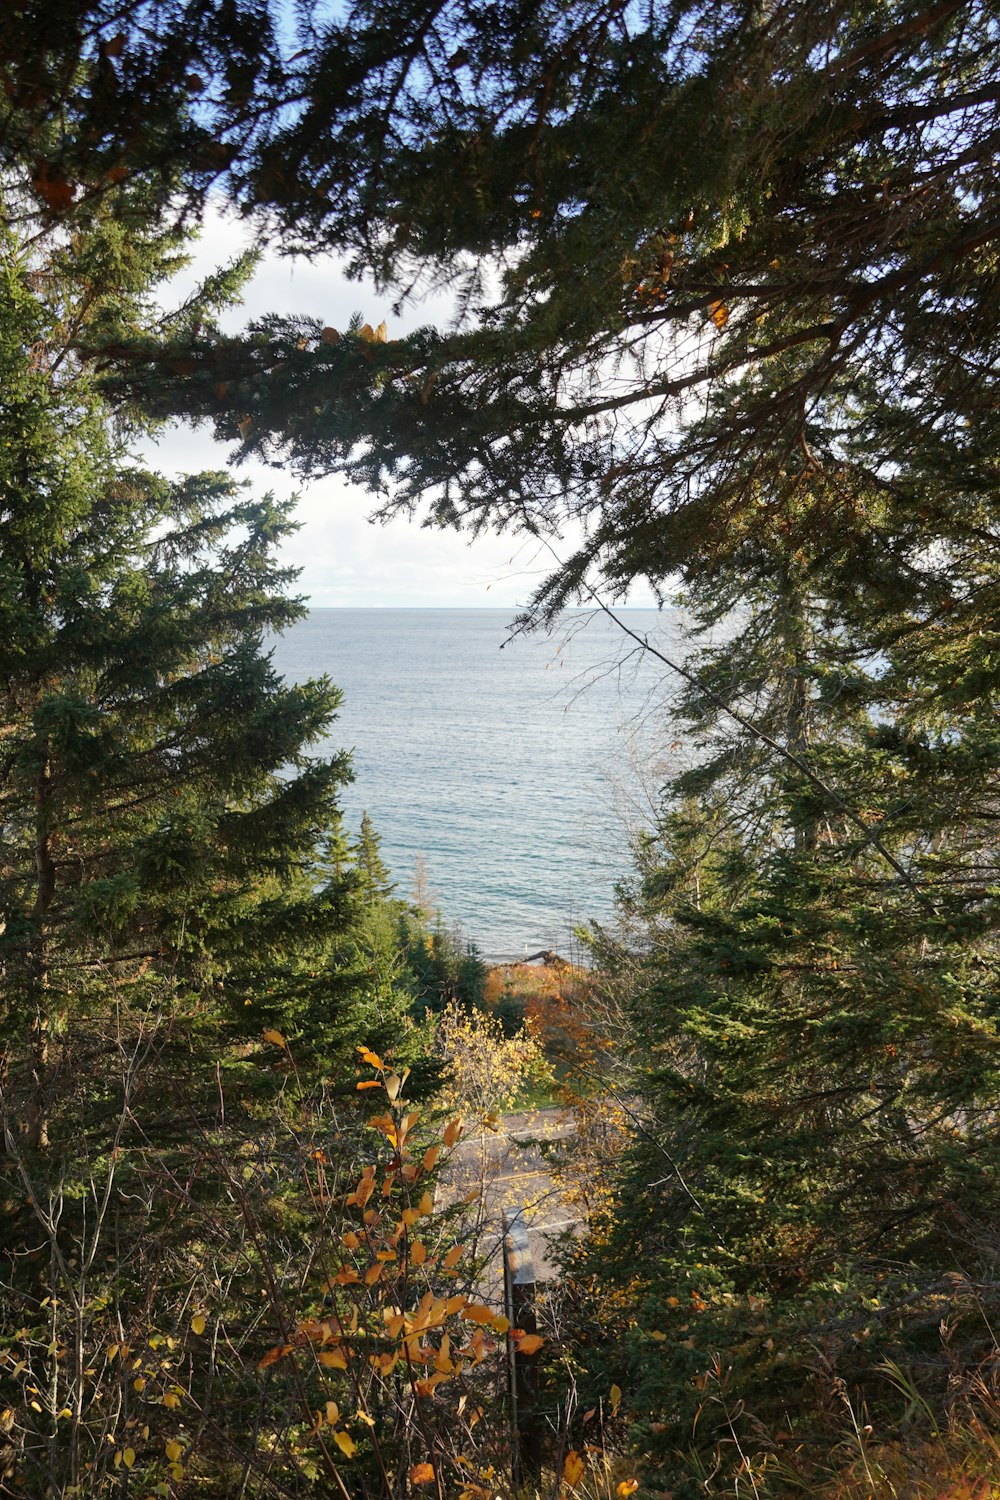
x=371, y=1058
x=530, y=1343
x=627, y=1487
x=719, y=313
x=452, y=1131
x=50, y=183
x=453, y=1257
x=573, y=1468
x=422, y=1474
x=371, y=1083
x=477, y=1313
x=418, y=1253
x=270, y=1035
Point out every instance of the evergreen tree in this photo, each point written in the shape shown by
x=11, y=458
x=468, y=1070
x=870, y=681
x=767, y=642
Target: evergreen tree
x=160, y=811
x=376, y=883
x=816, y=1181
x=774, y=225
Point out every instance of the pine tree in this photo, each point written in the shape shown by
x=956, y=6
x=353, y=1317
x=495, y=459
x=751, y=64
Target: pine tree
x=373, y=872
x=161, y=927
x=815, y=1184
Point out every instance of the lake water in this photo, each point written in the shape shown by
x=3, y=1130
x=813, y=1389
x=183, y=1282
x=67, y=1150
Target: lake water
x=502, y=764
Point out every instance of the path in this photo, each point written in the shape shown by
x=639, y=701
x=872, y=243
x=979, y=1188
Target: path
x=511, y=1168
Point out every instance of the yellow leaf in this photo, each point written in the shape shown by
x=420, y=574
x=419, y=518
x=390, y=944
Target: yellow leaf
x=367, y=332
x=657, y=1334
x=173, y=1450
x=333, y=1359
x=500, y=1325
x=573, y=1468
x=422, y=1474
x=128, y=1458
x=177, y=1471
x=393, y=1084
x=332, y=1413
x=719, y=313
x=139, y=1385
x=270, y=1035
x=371, y=1058
x=426, y=1204
x=198, y=1323
x=171, y=1400
x=381, y=333
x=418, y=1253
x=345, y=1443
x=477, y=1313
x=627, y=1487
x=616, y=1396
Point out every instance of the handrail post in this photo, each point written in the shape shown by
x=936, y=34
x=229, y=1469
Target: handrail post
x=520, y=1310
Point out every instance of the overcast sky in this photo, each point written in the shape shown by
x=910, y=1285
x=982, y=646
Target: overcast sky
x=344, y=558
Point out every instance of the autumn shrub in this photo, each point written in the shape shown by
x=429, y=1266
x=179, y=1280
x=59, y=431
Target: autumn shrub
x=298, y=1314
x=486, y=1069
x=399, y=1363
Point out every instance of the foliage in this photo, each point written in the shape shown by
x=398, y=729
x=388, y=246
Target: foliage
x=162, y=911
x=726, y=287
x=813, y=1186
x=771, y=226
x=393, y=1332
x=446, y=967
x=486, y=1069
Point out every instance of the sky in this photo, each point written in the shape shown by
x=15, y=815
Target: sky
x=346, y=560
